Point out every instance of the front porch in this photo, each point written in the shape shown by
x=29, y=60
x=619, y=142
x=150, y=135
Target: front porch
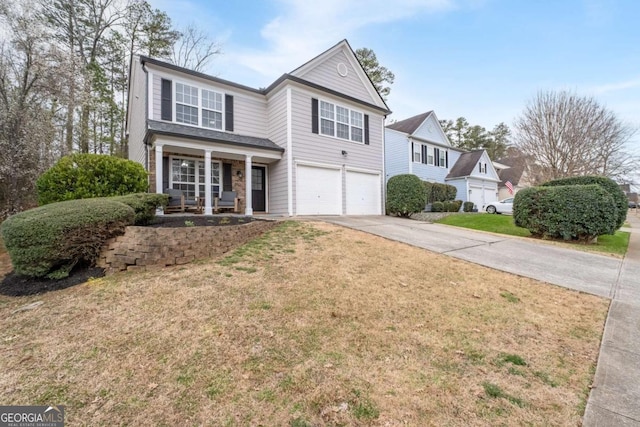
x=202, y=170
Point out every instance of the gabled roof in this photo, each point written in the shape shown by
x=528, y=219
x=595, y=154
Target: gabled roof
x=355, y=63
x=191, y=132
x=514, y=173
x=411, y=124
x=466, y=164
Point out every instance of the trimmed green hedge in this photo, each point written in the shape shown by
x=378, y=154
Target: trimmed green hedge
x=144, y=205
x=437, y=192
x=405, y=195
x=84, y=176
x=619, y=198
x=50, y=240
x=467, y=207
x=569, y=212
x=437, y=207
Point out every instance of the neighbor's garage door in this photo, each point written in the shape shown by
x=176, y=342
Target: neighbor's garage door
x=490, y=196
x=475, y=196
x=318, y=191
x=363, y=193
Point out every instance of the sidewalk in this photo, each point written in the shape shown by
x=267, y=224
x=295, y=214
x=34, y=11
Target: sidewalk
x=615, y=396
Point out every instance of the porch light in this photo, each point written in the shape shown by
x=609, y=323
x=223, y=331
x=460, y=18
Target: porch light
x=239, y=173
x=344, y=153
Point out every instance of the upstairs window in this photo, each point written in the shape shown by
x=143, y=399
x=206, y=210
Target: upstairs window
x=443, y=158
x=482, y=167
x=211, y=109
x=186, y=104
x=417, y=153
x=430, y=155
x=341, y=122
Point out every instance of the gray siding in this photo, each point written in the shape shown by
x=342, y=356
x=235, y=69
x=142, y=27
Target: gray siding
x=326, y=74
x=396, y=153
x=429, y=172
x=137, y=113
x=277, y=132
x=311, y=147
x=250, y=110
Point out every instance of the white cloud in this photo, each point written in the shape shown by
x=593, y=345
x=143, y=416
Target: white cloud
x=617, y=86
x=305, y=28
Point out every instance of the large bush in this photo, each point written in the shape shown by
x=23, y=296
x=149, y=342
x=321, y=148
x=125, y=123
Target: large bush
x=437, y=192
x=569, y=212
x=405, y=195
x=619, y=199
x=83, y=176
x=50, y=240
x=144, y=205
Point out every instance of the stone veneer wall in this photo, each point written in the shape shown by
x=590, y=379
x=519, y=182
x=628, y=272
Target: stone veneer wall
x=143, y=247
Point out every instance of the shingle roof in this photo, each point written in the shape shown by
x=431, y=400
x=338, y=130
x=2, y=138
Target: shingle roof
x=465, y=164
x=191, y=132
x=411, y=124
x=514, y=173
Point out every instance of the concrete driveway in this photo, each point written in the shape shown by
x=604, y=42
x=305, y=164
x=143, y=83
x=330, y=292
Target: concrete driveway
x=582, y=271
x=615, y=394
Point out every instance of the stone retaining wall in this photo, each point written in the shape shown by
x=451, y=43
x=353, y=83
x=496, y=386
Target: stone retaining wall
x=142, y=247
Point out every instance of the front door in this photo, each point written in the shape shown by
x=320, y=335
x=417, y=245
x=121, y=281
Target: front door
x=258, y=188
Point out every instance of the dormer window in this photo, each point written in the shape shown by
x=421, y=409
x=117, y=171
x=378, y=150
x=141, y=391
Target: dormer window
x=482, y=167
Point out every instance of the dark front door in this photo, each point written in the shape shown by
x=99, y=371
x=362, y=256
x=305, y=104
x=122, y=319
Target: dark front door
x=258, y=188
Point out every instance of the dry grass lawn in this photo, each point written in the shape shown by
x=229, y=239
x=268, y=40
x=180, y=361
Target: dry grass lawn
x=310, y=325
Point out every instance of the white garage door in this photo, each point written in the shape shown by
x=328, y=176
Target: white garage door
x=363, y=193
x=318, y=191
x=475, y=196
x=490, y=196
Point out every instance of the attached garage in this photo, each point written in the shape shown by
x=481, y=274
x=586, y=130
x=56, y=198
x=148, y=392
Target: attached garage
x=481, y=196
x=318, y=190
x=363, y=193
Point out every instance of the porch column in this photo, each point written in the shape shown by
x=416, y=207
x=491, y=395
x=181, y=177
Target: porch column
x=159, y=188
x=248, y=210
x=207, y=182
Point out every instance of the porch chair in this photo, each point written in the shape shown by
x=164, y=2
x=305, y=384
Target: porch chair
x=176, y=201
x=227, y=200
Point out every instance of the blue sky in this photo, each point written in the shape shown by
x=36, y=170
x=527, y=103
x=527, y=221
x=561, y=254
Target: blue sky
x=481, y=59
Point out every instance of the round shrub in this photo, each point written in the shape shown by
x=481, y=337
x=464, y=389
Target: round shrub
x=619, y=199
x=437, y=207
x=405, y=195
x=50, y=240
x=467, y=207
x=144, y=205
x=83, y=176
x=437, y=192
x=569, y=212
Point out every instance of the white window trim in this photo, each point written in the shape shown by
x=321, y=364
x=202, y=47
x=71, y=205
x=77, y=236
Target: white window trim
x=417, y=149
x=443, y=158
x=335, y=121
x=199, y=106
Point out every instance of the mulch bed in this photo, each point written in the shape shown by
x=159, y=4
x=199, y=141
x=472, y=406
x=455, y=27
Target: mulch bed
x=199, y=220
x=14, y=285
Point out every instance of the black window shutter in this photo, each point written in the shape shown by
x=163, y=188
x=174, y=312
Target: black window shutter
x=436, y=157
x=165, y=173
x=226, y=177
x=480, y=167
x=446, y=159
x=424, y=154
x=412, y=152
x=228, y=113
x=166, y=106
x=366, y=129
x=314, y=115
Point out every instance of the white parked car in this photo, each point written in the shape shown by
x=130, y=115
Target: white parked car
x=503, y=206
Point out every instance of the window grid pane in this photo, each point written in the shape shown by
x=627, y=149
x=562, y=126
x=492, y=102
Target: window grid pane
x=327, y=127
x=211, y=100
x=211, y=119
x=356, y=119
x=356, y=134
x=343, y=131
x=326, y=110
x=342, y=115
x=186, y=114
x=186, y=94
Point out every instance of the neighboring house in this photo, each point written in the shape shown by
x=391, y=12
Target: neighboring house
x=310, y=143
x=419, y=146
x=516, y=172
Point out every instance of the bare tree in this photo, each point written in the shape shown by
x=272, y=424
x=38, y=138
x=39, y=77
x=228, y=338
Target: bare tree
x=194, y=49
x=569, y=135
x=30, y=79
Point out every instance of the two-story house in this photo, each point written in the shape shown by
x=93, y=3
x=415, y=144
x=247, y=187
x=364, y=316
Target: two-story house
x=419, y=146
x=309, y=144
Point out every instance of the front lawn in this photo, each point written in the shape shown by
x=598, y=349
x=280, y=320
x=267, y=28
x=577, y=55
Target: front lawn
x=310, y=325
x=503, y=224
